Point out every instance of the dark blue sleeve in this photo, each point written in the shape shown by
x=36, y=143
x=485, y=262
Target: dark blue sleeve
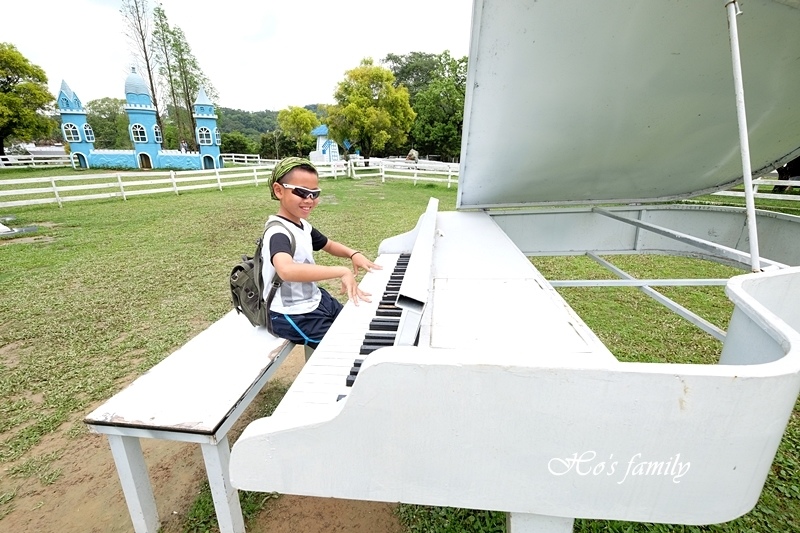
x=318, y=240
x=279, y=242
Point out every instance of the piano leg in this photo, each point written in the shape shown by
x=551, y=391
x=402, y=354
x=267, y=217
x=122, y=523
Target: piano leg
x=536, y=523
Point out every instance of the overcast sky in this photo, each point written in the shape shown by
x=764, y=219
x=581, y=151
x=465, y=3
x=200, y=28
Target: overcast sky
x=259, y=54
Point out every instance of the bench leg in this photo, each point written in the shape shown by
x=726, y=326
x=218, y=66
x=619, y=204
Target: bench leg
x=226, y=497
x=127, y=452
x=308, y=351
x=535, y=523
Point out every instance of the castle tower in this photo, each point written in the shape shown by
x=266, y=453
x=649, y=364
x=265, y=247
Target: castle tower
x=207, y=134
x=143, y=129
x=77, y=131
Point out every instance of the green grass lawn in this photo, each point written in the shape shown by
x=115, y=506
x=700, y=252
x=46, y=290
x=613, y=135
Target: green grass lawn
x=106, y=289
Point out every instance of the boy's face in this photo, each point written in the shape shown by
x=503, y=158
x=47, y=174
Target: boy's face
x=295, y=207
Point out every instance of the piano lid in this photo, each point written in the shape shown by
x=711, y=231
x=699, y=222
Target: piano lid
x=570, y=101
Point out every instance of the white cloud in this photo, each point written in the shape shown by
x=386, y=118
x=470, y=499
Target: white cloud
x=266, y=54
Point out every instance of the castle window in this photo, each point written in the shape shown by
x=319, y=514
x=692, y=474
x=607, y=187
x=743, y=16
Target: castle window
x=71, y=133
x=64, y=103
x=88, y=133
x=157, y=134
x=138, y=133
x=217, y=137
x=204, y=136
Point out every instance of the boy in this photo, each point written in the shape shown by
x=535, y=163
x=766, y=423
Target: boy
x=301, y=311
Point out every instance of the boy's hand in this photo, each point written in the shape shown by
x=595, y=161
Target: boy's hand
x=360, y=261
x=350, y=288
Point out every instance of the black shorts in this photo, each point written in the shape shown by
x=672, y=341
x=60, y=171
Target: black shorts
x=308, y=328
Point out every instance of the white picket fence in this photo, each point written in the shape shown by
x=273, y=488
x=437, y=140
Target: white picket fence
x=392, y=168
x=428, y=171
x=247, y=159
x=767, y=180
x=84, y=186
x=35, y=160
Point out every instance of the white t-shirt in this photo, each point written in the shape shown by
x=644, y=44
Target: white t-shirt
x=293, y=297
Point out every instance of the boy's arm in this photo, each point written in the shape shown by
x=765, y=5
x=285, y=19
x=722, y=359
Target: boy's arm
x=359, y=259
x=288, y=270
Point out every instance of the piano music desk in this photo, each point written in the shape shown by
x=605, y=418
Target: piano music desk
x=194, y=395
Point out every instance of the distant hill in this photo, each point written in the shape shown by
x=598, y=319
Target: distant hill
x=254, y=123
x=250, y=123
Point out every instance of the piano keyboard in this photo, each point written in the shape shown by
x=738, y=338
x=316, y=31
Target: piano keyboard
x=383, y=328
x=358, y=330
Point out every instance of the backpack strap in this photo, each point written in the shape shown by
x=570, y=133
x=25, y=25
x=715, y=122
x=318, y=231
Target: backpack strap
x=276, y=279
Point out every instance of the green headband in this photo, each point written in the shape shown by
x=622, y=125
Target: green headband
x=285, y=166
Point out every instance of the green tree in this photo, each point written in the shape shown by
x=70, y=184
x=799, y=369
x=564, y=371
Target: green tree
x=297, y=123
x=370, y=111
x=23, y=97
x=109, y=123
x=189, y=79
x=414, y=71
x=137, y=28
x=440, y=109
x=237, y=143
x=162, y=46
x=180, y=75
x=275, y=144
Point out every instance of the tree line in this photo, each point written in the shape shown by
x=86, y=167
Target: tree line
x=412, y=101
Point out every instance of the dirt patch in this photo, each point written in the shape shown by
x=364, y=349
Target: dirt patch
x=87, y=497
x=26, y=240
x=294, y=514
x=11, y=353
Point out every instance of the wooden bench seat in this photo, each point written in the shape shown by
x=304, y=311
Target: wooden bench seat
x=194, y=395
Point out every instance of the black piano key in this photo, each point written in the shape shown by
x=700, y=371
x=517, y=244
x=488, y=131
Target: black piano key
x=384, y=324
x=383, y=343
x=354, y=370
x=350, y=381
x=367, y=349
x=341, y=396
x=389, y=312
x=358, y=362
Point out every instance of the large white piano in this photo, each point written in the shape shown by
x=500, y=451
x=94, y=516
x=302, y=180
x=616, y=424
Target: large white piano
x=491, y=393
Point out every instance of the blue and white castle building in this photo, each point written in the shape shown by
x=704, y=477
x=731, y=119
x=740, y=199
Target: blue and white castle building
x=144, y=132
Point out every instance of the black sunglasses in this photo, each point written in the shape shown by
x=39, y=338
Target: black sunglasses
x=302, y=192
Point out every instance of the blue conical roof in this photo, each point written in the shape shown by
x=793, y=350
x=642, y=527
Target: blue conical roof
x=72, y=101
x=202, y=98
x=66, y=90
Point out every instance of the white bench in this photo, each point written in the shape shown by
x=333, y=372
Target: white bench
x=194, y=395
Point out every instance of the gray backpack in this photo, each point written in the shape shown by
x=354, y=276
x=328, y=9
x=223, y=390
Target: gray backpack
x=247, y=285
